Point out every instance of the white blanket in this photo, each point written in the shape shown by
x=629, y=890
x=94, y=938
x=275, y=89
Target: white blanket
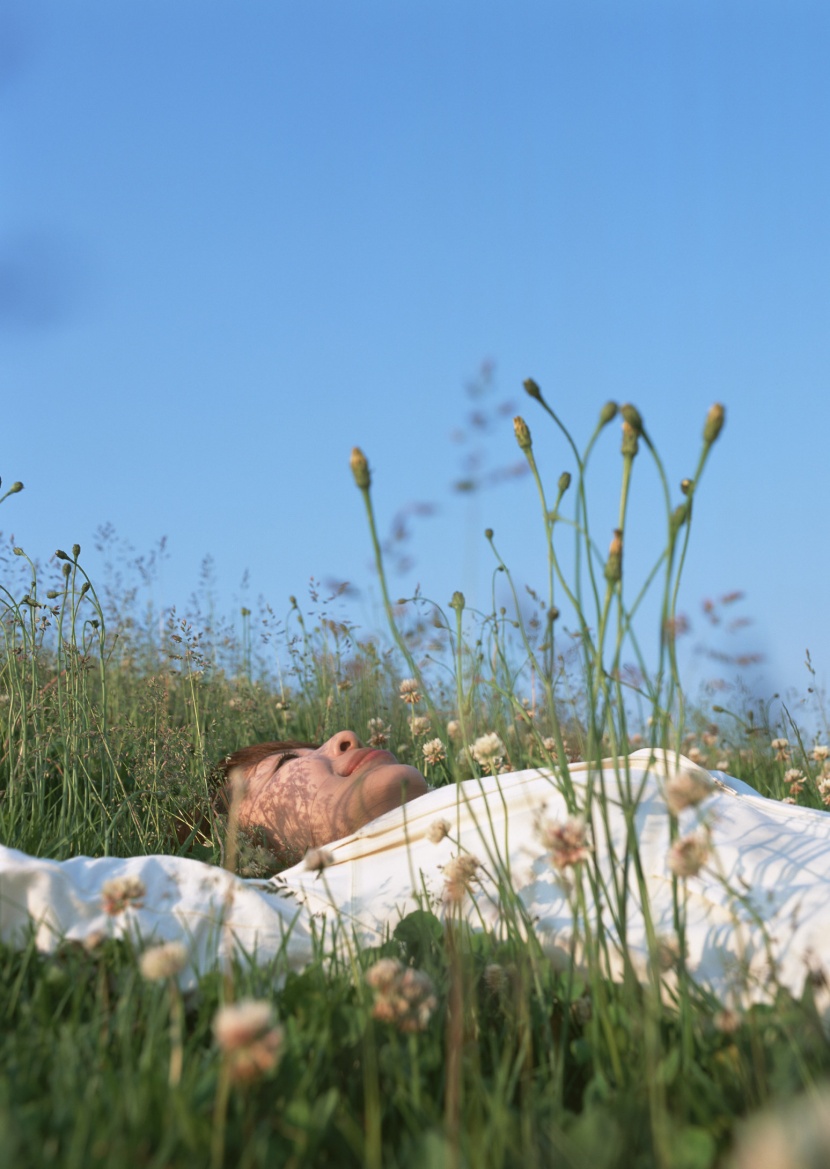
x=758, y=914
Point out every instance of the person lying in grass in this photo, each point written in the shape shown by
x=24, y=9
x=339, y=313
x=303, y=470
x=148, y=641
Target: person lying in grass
x=295, y=796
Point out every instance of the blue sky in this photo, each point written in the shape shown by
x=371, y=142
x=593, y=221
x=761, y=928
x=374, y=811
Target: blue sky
x=238, y=239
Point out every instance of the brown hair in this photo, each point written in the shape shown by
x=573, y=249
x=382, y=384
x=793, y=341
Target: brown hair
x=248, y=758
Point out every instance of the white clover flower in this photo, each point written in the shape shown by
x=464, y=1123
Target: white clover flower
x=668, y=951
x=433, y=752
x=780, y=747
x=459, y=876
x=686, y=789
x=565, y=841
x=454, y=729
x=163, y=961
x=550, y=745
x=489, y=751
x=409, y=691
x=696, y=755
x=820, y=752
x=379, y=732
x=495, y=978
x=403, y=996
x=437, y=830
x=688, y=855
x=420, y=726
x=122, y=893
x=722, y=765
x=249, y=1037
x=317, y=859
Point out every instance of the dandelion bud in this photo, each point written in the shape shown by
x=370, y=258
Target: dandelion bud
x=457, y=601
x=532, y=389
x=714, y=423
x=608, y=413
x=61, y=555
x=15, y=487
x=66, y=570
x=632, y=416
x=685, y=486
x=85, y=587
x=564, y=482
x=613, y=565
x=18, y=552
x=488, y=533
x=360, y=468
x=76, y=551
x=630, y=441
x=50, y=596
x=522, y=432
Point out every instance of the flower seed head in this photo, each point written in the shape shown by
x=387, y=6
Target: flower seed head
x=714, y=423
x=360, y=469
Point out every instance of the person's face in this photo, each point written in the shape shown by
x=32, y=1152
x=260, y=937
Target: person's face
x=312, y=795
x=343, y=757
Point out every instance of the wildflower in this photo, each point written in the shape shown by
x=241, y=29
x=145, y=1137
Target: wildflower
x=688, y=855
x=437, y=830
x=668, y=951
x=613, y=565
x=789, y=800
x=433, y=752
x=727, y=1021
x=686, y=789
x=550, y=745
x=317, y=859
x=409, y=691
x=780, y=746
x=696, y=755
x=710, y=738
x=121, y=893
x=566, y=841
x=459, y=875
x=419, y=726
x=454, y=728
x=820, y=752
x=403, y=996
x=823, y=785
x=635, y=740
x=164, y=961
x=495, y=977
x=249, y=1037
x=378, y=732
x=489, y=751
x=522, y=432
x=722, y=765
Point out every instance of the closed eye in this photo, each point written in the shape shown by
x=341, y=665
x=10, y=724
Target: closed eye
x=284, y=759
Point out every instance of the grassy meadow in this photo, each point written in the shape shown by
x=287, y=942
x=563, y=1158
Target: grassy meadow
x=113, y=716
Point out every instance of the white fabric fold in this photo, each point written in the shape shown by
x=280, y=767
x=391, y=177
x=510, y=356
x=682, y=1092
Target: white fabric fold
x=757, y=916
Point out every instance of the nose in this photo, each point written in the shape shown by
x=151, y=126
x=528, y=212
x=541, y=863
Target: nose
x=340, y=743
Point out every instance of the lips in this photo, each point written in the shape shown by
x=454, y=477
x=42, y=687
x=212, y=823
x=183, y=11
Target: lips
x=360, y=756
